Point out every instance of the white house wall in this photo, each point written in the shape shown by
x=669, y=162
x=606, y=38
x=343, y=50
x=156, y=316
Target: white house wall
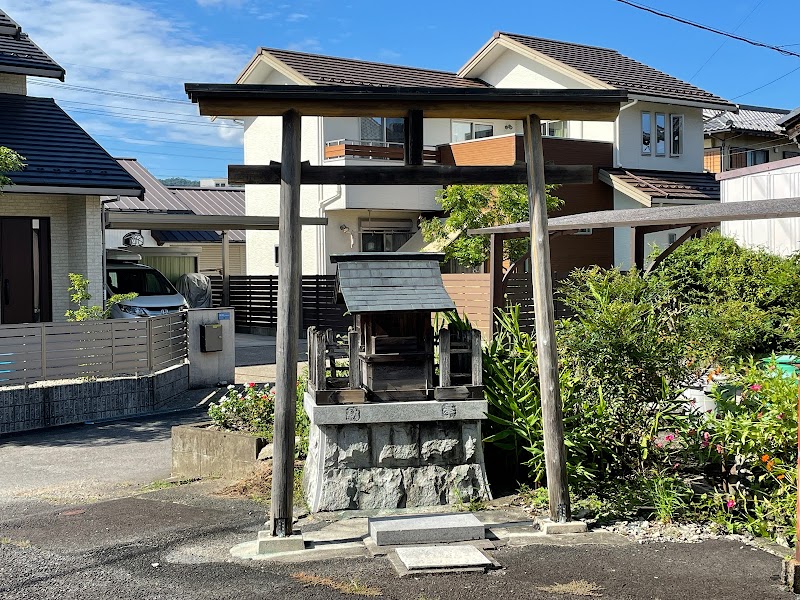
x=628, y=149
x=780, y=236
x=513, y=70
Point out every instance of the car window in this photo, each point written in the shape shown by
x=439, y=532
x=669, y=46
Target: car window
x=145, y=282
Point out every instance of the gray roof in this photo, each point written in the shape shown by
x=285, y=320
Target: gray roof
x=755, y=119
x=58, y=153
x=391, y=282
x=617, y=70
x=18, y=53
x=673, y=185
x=180, y=200
x=332, y=70
x=226, y=201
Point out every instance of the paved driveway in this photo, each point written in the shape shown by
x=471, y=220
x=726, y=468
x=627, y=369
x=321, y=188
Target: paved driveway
x=255, y=358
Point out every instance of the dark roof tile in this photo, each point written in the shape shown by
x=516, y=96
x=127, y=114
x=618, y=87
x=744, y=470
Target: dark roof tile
x=617, y=70
x=331, y=70
x=57, y=151
x=755, y=119
x=18, y=53
x=672, y=185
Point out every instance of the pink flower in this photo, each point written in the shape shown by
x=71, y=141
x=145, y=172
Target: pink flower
x=706, y=436
x=720, y=449
x=780, y=416
x=756, y=387
x=731, y=503
x=659, y=445
x=251, y=385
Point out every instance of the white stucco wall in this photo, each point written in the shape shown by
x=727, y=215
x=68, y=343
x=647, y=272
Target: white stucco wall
x=512, y=70
x=780, y=236
x=75, y=239
x=628, y=149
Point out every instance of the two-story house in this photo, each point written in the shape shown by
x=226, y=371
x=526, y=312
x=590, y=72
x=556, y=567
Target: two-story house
x=50, y=216
x=654, y=149
x=752, y=136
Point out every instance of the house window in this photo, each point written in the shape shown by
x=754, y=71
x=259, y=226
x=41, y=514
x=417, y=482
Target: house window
x=661, y=134
x=381, y=129
x=790, y=154
x=647, y=141
x=277, y=255
x=384, y=236
x=461, y=131
x=757, y=157
x=675, y=135
x=556, y=129
x=672, y=238
x=585, y=231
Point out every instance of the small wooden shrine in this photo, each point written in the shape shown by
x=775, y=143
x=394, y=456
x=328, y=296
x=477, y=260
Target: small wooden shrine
x=392, y=426
x=390, y=350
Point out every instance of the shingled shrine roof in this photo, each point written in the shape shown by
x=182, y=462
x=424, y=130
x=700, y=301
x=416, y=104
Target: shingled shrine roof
x=391, y=282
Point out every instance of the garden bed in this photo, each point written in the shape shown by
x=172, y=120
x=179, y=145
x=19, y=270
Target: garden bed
x=200, y=450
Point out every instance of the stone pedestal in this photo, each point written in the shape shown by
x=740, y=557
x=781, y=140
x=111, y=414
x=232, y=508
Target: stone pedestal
x=394, y=455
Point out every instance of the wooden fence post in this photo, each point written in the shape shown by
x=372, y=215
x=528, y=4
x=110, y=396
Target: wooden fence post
x=552, y=418
x=288, y=329
x=353, y=342
x=477, y=358
x=444, y=357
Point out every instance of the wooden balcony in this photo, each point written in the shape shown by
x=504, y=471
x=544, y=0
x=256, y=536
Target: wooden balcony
x=373, y=150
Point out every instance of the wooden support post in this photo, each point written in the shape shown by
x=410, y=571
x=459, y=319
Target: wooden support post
x=692, y=231
x=288, y=328
x=444, y=357
x=226, y=270
x=477, y=358
x=552, y=419
x=638, y=248
x=495, y=279
x=353, y=341
x=413, y=147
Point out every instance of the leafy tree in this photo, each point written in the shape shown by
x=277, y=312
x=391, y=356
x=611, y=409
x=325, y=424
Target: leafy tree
x=179, y=181
x=10, y=162
x=79, y=294
x=473, y=206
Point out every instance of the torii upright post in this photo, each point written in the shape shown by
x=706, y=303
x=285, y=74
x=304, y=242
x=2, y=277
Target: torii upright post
x=552, y=419
x=288, y=328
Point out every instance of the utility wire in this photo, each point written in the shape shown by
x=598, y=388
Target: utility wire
x=761, y=87
x=713, y=54
x=779, y=49
x=81, y=88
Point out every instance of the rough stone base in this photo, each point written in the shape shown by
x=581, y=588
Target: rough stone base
x=791, y=575
x=394, y=465
x=201, y=452
x=268, y=544
x=549, y=527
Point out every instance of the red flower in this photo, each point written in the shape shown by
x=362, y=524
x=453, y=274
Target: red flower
x=251, y=385
x=756, y=387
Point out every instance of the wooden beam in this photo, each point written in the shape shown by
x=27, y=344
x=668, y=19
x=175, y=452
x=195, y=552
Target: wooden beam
x=407, y=175
x=495, y=279
x=226, y=270
x=676, y=244
x=189, y=222
x=288, y=328
x=552, y=418
x=638, y=247
x=413, y=147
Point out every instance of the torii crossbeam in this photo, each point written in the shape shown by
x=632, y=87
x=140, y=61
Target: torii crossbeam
x=412, y=104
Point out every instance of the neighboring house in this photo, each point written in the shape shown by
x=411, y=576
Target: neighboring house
x=175, y=252
x=751, y=137
x=774, y=180
x=216, y=182
x=653, y=153
x=50, y=217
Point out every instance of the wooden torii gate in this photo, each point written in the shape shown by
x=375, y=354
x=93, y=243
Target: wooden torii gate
x=413, y=105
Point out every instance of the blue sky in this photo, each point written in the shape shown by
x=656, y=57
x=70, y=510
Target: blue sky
x=126, y=60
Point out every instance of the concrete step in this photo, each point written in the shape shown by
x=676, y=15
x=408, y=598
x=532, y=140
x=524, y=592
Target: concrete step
x=416, y=560
x=425, y=529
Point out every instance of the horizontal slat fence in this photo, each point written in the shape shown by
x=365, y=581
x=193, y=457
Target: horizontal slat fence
x=255, y=300
x=518, y=290
x=471, y=293
x=45, y=351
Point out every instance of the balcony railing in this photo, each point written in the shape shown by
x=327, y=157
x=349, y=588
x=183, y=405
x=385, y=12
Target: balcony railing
x=374, y=150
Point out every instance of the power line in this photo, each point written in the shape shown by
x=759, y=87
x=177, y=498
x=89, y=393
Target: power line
x=761, y=87
x=713, y=54
x=168, y=154
x=147, y=119
x=733, y=36
x=94, y=90
x=150, y=142
x=130, y=108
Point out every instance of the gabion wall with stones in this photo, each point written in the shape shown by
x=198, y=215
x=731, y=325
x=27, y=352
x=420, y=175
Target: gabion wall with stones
x=50, y=403
x=394, y=465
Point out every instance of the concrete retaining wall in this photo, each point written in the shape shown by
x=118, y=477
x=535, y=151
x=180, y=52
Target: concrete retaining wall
x=52, y=403
x=201, y=452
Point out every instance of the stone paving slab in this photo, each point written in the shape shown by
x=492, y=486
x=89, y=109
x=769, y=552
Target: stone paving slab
x=441, y=557
x=425, y=529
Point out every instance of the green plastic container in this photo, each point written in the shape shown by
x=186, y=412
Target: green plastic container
x=787, y=363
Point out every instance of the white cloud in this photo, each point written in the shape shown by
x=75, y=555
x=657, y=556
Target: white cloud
x=128, y=48
x=295, y=17
x=306, y=45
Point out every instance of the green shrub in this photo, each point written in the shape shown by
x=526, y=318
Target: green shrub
x=79, y=294
x=737, y=301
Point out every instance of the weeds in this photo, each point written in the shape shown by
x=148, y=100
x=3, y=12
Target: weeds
x=574, y=588
x=353, y=587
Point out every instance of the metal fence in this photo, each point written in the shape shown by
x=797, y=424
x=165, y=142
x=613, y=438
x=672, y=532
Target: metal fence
x=44, y=351
x=255, y=299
